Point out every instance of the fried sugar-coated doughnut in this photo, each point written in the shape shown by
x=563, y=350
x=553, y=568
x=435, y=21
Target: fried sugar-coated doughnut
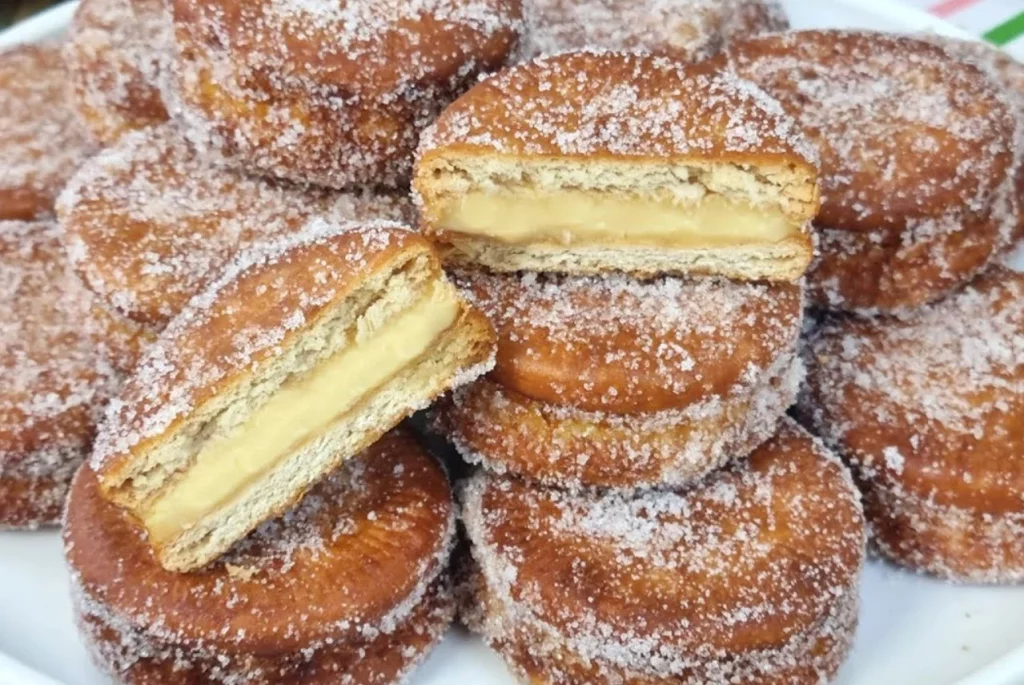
x=683, y=29
x=301, y=354
x=43, y=142
x=1008, y=73
x=751, y=577
x=591, y=162
x=150, y=222
x=125, y=340
x=334, y=94
x=568, y=447
x=56, y=379
x=118, y=55
x=349, y=587
x=917, y=155
x=615, y=344
x=929, y=410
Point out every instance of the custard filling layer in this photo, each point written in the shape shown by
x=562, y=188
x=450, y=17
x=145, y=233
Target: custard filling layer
x=302, y=409
x=576, y=217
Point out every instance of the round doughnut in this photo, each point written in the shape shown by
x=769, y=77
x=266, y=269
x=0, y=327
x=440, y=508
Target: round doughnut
x=331, y=94
x=682, y=29
x=619, y=345
x=55, y=378
x=929, y=410
x=350, y=586
x=750, y=578
x=568, y=447
x=149, y=221
x=917, y=152
x=118, y=55
x=43, y=142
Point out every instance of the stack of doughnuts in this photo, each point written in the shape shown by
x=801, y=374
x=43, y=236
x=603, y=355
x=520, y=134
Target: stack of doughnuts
x=914, y=371
x=244, y=241
x=228, y=325
x=636, y=229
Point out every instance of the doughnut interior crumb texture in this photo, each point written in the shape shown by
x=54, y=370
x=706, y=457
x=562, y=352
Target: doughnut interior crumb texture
x=684, y=29
x=43, y=142
x=618, y=127
x=319, y=292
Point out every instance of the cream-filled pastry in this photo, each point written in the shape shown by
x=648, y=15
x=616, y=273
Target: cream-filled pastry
x=645, y=165
x=301, y=355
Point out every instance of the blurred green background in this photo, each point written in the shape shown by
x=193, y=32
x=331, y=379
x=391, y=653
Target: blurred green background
x=16, y=10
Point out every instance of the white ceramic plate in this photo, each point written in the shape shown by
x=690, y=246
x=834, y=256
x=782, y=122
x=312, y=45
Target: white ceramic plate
x=913, y=630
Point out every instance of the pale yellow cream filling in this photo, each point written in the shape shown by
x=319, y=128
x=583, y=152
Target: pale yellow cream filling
x=299, y=411
x=575, y=217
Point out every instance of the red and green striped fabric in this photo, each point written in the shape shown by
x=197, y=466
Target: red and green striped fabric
x=1000, y=22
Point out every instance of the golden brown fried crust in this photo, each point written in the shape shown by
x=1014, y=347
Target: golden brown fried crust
x=674, y=112
x=273, y=294
x=917, y=149
x=29, y=503
x=355, y=87
x=820, y=663
x=153, y=199
x=624, y=577
x=627, y=347
x=564, y=446
x=354, y=557
x=43, y=142
x=930, y=412
x=891, y=272
x=886, y=107
x=117, y=55
x=55, y=376
x=126, y=341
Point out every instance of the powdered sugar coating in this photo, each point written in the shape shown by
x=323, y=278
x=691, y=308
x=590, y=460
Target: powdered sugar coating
x=150, y=221
x=56, y=379
x=326, y=92
x=345, y=576
x=707, y=581
x=686, y=29
x=118, y=56
x=621, y=105
x=293, y=279
x=617, y=344
x=43, y=142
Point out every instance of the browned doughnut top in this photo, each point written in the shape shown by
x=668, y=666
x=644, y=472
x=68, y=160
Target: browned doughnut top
x=149, y=221
x=931, y=406
x=685, y=29
x=260, y=303
x=118, y=55
x=606, y=104
x=615, y=344
x=54, y=380
x=341, y=48
x=42, y=141
x=909, y=137
x=356, y=555
x=753, y=558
